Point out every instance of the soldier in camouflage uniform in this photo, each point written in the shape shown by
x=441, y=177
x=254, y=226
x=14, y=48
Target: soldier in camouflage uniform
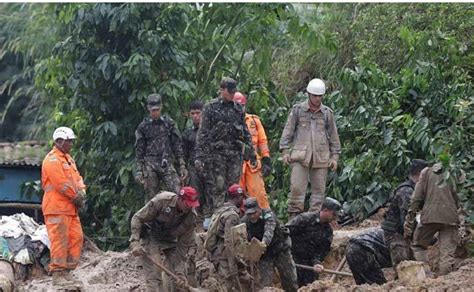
x=219, y=240
x=311, y=237
x=196, y=179
x=264, y=226
x=157, y=146
x=169, y=221
x=221, y=140
x=366, y=255
x=394, y=218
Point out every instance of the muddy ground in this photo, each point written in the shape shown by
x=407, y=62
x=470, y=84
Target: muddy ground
x=120, y=271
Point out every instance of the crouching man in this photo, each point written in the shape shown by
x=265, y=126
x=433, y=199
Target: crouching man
x=171, y=219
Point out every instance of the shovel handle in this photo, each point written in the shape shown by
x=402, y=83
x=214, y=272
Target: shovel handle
x=169, y=273
x=310, y=268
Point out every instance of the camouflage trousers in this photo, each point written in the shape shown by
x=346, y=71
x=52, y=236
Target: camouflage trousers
x=156, y=173
x=448, y=240
x=285, y=265
x=221, y=172
x=365, y=265
x=172, y=257
x=300, y=175
x=305, y=277
x=197, y=181
x=228, y=274
x=399, y=247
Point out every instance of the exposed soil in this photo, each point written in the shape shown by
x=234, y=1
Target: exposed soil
x=121, y=271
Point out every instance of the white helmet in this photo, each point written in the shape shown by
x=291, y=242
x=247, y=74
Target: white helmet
x=63, y=133
x=316, y=87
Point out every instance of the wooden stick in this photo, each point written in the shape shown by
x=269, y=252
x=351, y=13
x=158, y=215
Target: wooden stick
x=339, y=268
x=171, y=274
x=310, y=268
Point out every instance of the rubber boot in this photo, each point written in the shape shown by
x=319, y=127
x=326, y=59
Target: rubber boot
x=77, y=283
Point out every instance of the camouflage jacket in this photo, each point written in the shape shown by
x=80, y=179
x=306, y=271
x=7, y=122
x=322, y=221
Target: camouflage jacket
x=269, y=231
x=156, y=141
x=398, y=205
x=225, y=217
x=373, y=241
x=189, y=144
x=222, y=130
x=310, y=238
x=166, y=224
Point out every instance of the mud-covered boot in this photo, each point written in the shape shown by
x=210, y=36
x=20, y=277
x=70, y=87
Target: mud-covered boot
x=76, y=283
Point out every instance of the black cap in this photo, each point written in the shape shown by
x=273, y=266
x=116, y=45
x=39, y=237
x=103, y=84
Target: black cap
x=251, y=205
x=229, y=83
x=417, y=165
x=331, y=204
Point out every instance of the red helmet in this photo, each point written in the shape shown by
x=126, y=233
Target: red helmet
x=190, y=196
x=235, y=191
x=240, y=98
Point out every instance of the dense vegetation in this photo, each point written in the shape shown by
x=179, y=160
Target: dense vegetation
x=399, y=78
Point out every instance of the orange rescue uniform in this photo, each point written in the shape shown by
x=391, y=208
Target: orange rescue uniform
x=61, y=182
x=252, y=178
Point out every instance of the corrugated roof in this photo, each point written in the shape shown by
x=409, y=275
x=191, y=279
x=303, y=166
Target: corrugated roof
x=24, y=153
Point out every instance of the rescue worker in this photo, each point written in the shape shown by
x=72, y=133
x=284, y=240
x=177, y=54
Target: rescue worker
x=196, y=179
x=157, y=146
x=221, y=140
x=252, y=177
x=264, y=226
x=394, y=218
x=311, y=236
x=366, y=255
x=64, y=193
x=165, y=226
x=439, y=203
x=219, y=240
x=310, y=143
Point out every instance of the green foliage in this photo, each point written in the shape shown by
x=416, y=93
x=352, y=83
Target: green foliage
x=399, y=80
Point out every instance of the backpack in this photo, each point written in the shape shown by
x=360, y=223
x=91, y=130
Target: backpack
x=211, y=240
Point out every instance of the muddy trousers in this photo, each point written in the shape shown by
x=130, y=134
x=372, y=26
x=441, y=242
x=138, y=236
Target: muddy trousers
x=399, y=248
x=65, y=234
x=252, y=181
x=364, y=265
x=305, y=277
x=448, y=238
x=153, y=275
x=285, y=265
x=197, y=181
x=300, y=176
x=228, y=274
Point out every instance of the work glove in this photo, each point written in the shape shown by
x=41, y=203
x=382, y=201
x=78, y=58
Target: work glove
x=318, y=268
x=266, y=166
x=285, y=157
x=136, y=248
x=139, y=178
x=333, y=164
x=408, y=229
x=199, y=165
x=78, y=201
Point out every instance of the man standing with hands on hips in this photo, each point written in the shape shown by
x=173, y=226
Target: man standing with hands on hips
x=310, y=142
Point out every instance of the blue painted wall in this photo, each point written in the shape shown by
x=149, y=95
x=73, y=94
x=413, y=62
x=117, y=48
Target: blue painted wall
x=11, y=180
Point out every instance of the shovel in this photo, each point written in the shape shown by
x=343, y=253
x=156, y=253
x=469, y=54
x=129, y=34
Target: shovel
x=172, y=275
x=310, y=268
